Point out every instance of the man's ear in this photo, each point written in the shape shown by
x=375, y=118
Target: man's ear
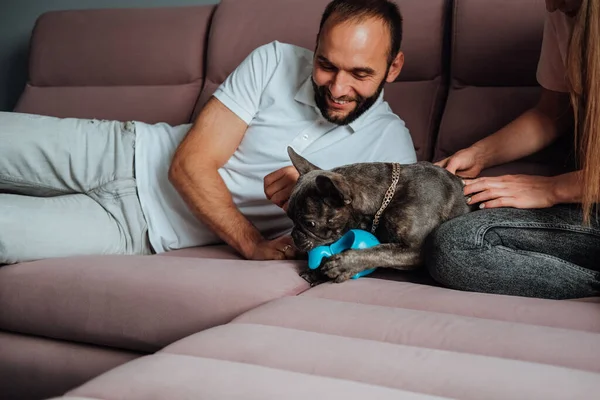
x=302, y=165
x=334, y=190
x=395, y=68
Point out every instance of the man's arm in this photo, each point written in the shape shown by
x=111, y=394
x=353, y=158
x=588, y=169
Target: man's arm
x=212, y=140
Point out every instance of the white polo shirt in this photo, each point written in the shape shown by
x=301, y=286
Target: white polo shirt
x=271, y=91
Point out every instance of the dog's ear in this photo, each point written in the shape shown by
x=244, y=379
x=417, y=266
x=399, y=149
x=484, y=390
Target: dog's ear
x=334, y=189
x=302, y=164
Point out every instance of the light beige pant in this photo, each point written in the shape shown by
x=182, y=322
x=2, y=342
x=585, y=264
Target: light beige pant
x=67, y=187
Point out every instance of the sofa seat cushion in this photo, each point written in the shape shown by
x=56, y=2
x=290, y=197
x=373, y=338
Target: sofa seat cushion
x=225, y=252
x=139, y=303
x=172, y=376
x=474, y=357
x=567, y=348
x=577, y=314
x=36, y=368
x=303, y=341
x=221, y=252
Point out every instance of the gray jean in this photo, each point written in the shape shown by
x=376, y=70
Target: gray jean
x=67, y=187
x=544, y=253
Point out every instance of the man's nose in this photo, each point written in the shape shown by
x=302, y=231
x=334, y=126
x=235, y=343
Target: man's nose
x=340, y=86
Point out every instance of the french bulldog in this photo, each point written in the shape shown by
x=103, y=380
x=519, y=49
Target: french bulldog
x=325, y=204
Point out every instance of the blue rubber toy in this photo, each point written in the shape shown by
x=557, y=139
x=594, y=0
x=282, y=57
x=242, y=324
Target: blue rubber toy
x=353, y=239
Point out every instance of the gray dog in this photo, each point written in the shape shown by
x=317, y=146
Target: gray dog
x=400, y=204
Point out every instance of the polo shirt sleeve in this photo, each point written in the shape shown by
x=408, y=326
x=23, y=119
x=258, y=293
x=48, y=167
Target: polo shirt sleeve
x=551, y=72
x=396, y=144
x=243, y=88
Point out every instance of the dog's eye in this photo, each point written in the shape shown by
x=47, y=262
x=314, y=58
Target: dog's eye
x=312, y=224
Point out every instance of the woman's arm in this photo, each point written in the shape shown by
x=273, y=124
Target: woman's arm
x=567, y=188
x=529, y=133
x=534, y=130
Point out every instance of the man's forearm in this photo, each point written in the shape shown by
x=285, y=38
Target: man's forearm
x=208, y=198
x=526, y=135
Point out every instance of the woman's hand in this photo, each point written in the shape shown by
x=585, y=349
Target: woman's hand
x=466, y=163
x=517, y=191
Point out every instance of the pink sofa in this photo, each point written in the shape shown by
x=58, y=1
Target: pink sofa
x=203, y=323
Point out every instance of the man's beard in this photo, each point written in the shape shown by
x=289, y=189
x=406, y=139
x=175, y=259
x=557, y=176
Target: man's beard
x=362, y=104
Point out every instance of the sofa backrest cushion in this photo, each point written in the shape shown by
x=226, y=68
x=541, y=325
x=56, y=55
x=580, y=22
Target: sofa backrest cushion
x=143, y=64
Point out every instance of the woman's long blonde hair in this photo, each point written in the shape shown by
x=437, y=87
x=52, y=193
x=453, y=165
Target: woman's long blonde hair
x=583, y=69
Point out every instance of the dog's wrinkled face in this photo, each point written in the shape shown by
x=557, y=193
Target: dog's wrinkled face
x=320, y=205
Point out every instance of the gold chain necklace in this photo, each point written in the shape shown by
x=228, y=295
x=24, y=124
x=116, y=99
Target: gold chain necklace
x=388, y=196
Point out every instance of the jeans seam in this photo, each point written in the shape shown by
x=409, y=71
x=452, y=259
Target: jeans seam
x=100, y=185
x=106, y=194
x=35, y=184
x=574, y=267
x=101, y=191
x=483, y=230
x=113, y=196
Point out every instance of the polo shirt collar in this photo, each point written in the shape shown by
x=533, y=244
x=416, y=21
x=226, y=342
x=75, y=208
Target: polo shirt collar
x=306, y=95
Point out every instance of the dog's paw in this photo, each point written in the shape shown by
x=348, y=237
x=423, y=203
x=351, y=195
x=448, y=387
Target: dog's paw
x=313, y=277
x=340, y=267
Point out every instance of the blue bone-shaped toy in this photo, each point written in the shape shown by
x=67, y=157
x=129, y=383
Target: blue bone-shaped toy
x=353, y=239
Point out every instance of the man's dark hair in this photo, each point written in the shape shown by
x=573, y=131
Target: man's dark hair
x=385, y=10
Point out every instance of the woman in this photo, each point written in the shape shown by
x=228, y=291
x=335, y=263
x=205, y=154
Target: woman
x=537, y=236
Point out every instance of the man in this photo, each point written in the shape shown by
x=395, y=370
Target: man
x=203, y=183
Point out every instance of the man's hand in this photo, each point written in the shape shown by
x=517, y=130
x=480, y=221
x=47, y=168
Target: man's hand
x=279, y=185
x=518, y=191
x=465, y=163
x=281, y=248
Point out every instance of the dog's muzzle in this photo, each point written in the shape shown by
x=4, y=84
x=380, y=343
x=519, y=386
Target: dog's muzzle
x=301, y=241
